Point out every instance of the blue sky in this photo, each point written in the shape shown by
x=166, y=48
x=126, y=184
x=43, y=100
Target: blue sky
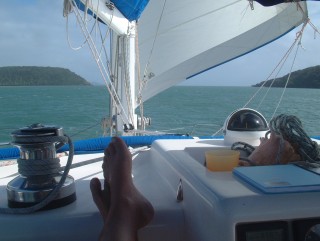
x=33, y=33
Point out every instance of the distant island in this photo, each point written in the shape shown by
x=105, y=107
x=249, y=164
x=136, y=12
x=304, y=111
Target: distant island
x=305, y=78
x=33, y=75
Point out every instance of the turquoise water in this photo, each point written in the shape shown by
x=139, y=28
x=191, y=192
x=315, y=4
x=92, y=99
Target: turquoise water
x=181, y=109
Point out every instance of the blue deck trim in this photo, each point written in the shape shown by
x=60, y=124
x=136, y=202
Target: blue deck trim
x=97, y=145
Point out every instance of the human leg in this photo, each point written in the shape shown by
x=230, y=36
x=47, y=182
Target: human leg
x=123, y=208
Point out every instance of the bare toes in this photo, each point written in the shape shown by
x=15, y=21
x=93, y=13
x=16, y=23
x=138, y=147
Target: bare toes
x=100, y=197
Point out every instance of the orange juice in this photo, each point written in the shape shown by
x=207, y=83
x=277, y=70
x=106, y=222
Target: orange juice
x=222, y=160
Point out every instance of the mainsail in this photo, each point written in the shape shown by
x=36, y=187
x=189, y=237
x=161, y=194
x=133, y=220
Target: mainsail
x=174, y=40
x=180, y=39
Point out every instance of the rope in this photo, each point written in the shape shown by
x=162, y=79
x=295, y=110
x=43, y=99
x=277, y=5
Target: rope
x=53, y=194
x=298, y=41
x=86, y=128
x=38, y=167
x=102, y=68
x=68, y=8
x=279, y=66
x=126, y=59
x=289, y=127
x=139, y=96
x=281, y=63
x=145, y=77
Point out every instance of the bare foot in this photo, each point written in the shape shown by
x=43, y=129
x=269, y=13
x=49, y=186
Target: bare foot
x=123, y=208
x=273, y=151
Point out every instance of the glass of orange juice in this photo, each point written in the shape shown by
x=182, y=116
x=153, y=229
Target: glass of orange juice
x=222, y=160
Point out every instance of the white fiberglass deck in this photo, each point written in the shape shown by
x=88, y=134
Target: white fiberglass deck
x=213, y=202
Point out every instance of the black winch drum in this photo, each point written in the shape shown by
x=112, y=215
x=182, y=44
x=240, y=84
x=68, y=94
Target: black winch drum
x=39, y=168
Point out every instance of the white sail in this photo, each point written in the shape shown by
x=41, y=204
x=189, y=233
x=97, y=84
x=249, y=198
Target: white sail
x=178, y=39
x=181, y=38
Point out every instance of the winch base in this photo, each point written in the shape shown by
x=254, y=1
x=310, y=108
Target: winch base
x=23, y=193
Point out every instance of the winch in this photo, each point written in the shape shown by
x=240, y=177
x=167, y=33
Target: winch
x=41, y=182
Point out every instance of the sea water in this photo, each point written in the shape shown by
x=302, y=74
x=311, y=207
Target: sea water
x=193, y=110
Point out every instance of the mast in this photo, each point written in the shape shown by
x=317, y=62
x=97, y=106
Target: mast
x=124, y=81
x=121, y=77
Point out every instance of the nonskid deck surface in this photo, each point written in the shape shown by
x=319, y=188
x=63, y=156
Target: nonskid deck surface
x=81, y=219
x=213, y=202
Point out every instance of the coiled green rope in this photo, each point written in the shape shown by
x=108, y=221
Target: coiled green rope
x=289, y=127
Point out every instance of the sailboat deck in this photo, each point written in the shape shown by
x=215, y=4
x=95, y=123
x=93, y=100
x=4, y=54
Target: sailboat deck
x=213, y=204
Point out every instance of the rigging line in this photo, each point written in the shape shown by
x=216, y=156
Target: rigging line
x=108, y=66
x=130, y=97
x=121, y=51
x=103, y=48
x=137, y=56
x=214, y=134
x=101, y=66
x=145, y=77
x=145, y=80
x=316, y=30
x=299, y=37
x=137, y=66
x=199, y=125
x=126, y=61
x=95, y=25
x=278, y=66
x=281, y=62
x=68, y=35
x=250, y=4
x=103, y=40
x=85, y=129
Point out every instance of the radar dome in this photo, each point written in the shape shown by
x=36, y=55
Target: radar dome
x=245, y=125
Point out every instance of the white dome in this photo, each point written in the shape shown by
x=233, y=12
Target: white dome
x=245, y=125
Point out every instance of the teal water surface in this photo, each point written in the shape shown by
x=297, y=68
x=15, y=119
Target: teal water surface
x=180, y=109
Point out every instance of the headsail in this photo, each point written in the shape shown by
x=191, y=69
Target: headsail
x=181, y=38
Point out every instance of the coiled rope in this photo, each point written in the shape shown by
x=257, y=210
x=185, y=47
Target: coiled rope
x=39, y=170
x=33, y=167
x=289, y=128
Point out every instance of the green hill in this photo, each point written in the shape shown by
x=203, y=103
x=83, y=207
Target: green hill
x=32, y=75
x=305, y=78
